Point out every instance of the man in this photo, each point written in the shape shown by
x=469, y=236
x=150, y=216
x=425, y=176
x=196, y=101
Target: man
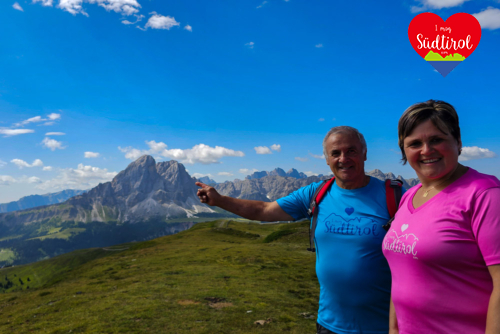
x=354, y=277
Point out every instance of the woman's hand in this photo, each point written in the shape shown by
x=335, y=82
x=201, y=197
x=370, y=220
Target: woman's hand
x=393, y=321
x=493, y=318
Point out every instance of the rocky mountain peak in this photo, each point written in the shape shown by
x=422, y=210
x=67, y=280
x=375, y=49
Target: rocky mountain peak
x=175, y=175
x=140, y=175
x=144, y=189
x=296, y=174
x=278, y=172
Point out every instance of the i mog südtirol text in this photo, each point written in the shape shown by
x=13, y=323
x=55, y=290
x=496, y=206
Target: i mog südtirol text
x=443, y=42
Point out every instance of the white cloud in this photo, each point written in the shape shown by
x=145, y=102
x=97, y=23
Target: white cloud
x=225, y=174
x=276, y=147
x=5, y=180
x=262, y=4
x=250, y=45
x=17, y=6
x=2, y=163
x=52, y=144
x=188, y=27
x=138, y=19
x=247, y=171
x=124, y=7
x=34, y=179
x=436, y=4
x=321, y=120
x=489, y=18
x=44, y=2
x=301, y=159
x=84, y=177
x=47, y=168
x=262, y=150
x=91, y=155
x=474, y=152
x=157, y=21
x=21, y=163
x=37, y=163
x=55, y=134
x=200, y=153
x=310, y=173
x=317, y=156
x=14, y=132
x=54, y=116
x=37, y=119
x=72, y=6
x=319, y=45
x=198, y=175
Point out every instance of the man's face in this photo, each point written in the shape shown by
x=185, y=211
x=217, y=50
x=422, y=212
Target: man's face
x=346, y=158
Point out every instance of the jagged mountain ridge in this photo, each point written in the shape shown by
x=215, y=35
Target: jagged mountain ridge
x=277, y=172
x=266, y=187
x=407, y=183
x=32, y=201
x=143, y=190
x=146, y=189
x=207, y=180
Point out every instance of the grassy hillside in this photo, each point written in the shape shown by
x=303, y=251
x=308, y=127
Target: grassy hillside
x=217, y=277
x=28, y=243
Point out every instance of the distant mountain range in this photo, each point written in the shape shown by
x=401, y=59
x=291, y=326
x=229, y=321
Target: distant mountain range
x=277, y=172
x=269, y=186
x=32, y=201
x=144, y=190
x=407, y=183
x=144, y=201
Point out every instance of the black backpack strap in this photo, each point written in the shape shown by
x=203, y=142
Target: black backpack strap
x=393, y=194
x=313, y=209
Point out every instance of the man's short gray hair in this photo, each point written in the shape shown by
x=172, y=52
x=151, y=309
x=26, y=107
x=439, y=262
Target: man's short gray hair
x=344, y=129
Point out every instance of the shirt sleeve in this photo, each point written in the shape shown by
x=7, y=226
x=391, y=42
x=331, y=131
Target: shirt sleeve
x=486, y=225
x=297, y=203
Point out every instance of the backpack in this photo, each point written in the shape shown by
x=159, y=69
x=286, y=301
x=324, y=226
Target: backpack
x=393, y=194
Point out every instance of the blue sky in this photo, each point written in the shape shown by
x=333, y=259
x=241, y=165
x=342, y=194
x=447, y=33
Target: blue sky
x=86, y=86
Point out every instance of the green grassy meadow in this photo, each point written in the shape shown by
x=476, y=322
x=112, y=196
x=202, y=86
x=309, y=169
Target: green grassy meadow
x=217, y=277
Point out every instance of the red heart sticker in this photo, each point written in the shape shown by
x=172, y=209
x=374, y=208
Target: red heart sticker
x=444, y=44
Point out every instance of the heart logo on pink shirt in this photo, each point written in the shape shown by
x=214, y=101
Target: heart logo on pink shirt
x=404, y=227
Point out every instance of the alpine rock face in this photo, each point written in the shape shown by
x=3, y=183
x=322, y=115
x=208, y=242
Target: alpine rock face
x=145, y=189
x=269, y=186
x=164, y=190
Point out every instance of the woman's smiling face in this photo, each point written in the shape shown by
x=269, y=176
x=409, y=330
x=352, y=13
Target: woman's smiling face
x=430, y=152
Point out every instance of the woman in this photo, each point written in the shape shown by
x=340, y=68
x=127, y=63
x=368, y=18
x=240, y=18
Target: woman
x=443, y=247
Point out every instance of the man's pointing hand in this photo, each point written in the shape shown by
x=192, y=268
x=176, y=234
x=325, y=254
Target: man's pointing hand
x=207, y=194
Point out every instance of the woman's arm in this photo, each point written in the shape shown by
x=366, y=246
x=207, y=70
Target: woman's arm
x=393, y=322
x=493, y=318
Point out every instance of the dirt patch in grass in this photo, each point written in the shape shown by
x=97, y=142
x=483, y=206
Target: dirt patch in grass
x=187, y=302
x=220, y=305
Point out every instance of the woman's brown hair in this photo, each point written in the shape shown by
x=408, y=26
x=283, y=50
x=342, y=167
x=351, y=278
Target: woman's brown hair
x=441, y=114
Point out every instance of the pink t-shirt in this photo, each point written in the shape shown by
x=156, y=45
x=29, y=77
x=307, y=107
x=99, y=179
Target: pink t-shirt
x=439, y=253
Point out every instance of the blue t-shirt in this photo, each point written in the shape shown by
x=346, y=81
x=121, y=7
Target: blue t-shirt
x=354, y=277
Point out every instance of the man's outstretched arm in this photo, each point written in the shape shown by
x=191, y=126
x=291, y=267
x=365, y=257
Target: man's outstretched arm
x=255, y=210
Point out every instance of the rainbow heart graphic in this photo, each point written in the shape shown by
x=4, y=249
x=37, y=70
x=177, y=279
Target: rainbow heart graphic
x=444, y=44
